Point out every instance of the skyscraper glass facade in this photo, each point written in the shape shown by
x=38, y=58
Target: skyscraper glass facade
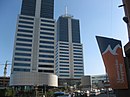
x=46, y=8
x=28, y=7
x=69, y=53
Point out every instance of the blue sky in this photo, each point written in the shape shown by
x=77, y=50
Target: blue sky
x=97, y=17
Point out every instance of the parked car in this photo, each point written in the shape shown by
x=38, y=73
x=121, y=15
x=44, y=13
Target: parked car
x=65, y=95
x=58, y=94
x=93, y=93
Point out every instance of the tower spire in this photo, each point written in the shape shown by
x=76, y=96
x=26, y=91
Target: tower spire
x=66, y=13
x=66, y=10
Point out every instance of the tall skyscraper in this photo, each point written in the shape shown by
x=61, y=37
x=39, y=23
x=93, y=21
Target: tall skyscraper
x=33, y=57
x=69, y=54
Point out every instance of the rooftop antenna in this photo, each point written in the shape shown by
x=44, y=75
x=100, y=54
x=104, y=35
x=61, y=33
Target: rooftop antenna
x=66, y=11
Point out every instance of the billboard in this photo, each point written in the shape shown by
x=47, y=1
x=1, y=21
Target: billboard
x=111, y=51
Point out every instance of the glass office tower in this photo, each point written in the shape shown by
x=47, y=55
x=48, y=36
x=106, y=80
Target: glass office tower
x=33, y=57
x=69, y=54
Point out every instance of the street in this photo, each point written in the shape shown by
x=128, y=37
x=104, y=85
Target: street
x=104, y=95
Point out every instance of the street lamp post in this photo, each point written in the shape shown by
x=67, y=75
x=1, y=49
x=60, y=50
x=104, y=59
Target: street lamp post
x=126, y=20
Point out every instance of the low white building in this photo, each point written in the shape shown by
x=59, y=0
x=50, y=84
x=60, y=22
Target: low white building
x=33, y=79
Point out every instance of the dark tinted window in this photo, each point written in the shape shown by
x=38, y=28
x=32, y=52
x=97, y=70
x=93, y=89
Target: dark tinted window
x=25, y=22
x=24, y=40
x=46, y=51
x=46, y=61
x=46, y=42
x=45, y=37
x=24, y=35
x=46, y=56
x=47, y=71
x=75, y=31
x=22, y=59
x=25, y=31
x=43, y=20
x=22, y=54
x=62, y=29
x=48, y=29
x=46, y=66
x=46, y=46
x=23, y=49
x=47, y=8
x=23, y=44
x=48, y=25
x=25, y=26
x=28, y=7
x=46, y=33
x=22, y=64
x=22, y=69
x=26, y=18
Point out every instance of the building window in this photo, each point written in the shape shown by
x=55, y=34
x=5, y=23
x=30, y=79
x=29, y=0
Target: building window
x=25, y=22
x=64, y=52
x=64, y=68
x=24, y=35
x=64, y=75
x=23, y=49
x=22, y=59
x=28, y=7
x=45, y=37
x=77, y=44
x=78, y=66
x=25, y=40
x=64, y=49
x=22, y=64
x=64, y=71
x=47, y=71
x=48, y=21
x=46, y=61
x=26, y=18
x=25, y=31
x=64, y=62
x=25, y=26
x=64, y=43
x=64, y=59
x=46, y=42
x=77, y=54
x=45, y=46
x=77, y=48
x=64, y=55
x=62, y=29
x=48, y=29
x=77, y=75
x=64, y=46
x=22, y=54
x=46, y=56
x=48, y=25
x=64, y=65
x=22, y=69
x=46, y=51
x=23, y=44
x=46, y=33
x=78, y=60
x=78, y=69
x=46, y=66
x=78, y=72
x=75, y=31
x=77, y=51
x=78, y=57
x=78, y=63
